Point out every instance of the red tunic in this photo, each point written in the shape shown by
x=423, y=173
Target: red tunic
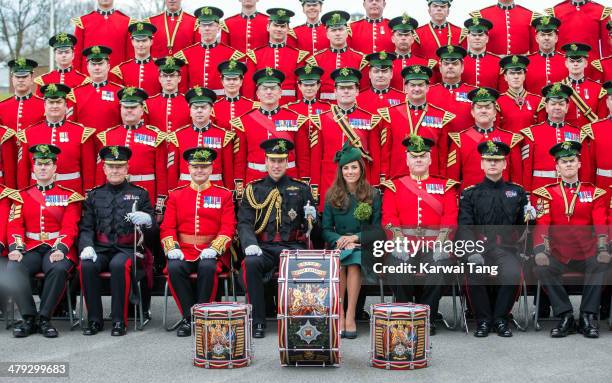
x=544, y=70
x=167, y=112
x=18, y=113
x=599, y=140
x=68, y=76
x=455, y=101
x=371, y=35
x=603, y=69
x=330, y=60
x=481, y=70
x=227, y=109
x=173, y=33
x=371, y=100
x=6, y=200
x=593, y=95
x=76, y=165
x=401, y=62
x=430, y=39
x=245, y=32
x=96, y=107
x=8, y=157
x=311, y=37
x=516, y=113
x=142, y=74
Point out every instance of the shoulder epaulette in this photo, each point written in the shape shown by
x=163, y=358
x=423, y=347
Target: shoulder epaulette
x=516, y=138
x=236, y=122
x=455, y=137
x=389, y=185
x=527, y=133
x=177, y=188
x=117, y=71
x=39, y=81
x=74, y=197
x=102, y=137
x=15, y=195
x=448, y=117
x=223, y=26
x=161, y=136
x=375, y=120
x=312, y=60
x=541, y=106
x=181, y=55
x=602, y=93
x=77, y=22
x=476, y=14
x=543, y=192
x=597, y=65
x=237, y=55
x=316, y=120
x=431, y=63
x=363, y=63
x=6, y=192
x=384, y=113
x=598, y=193
x=87, y=132
x=586, y=131
x=463, y=35
x=7, y=134
x=21, y=136
x=606, y=13
x=229, y=137
x=450, y=183
x=291, y=33
x=171, y=138
x=251, y=54
x=550, y=11
x=302, y=55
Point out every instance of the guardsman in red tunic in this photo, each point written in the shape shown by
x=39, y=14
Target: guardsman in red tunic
x=270, y=120
x=277, y=54
x=599, y=141
x=63, y=50
x=538, y=168
x=603, y=67
x=96, y=101
x=104, y=26
x=24, y=108
x=77, y=166
x=511, y=33
x=570, y=234
x=518, y=108
x=201, y=132
x=246, y=30
x=5, y=207
x=463, y=155
x=415, y=116
x=403, y=37
x=149, y=162
x=371, y=34
x=584, y=21
x=168, y=110
x=176, y=30
x=451, y=93
x=8, y=157
x=198, y=228
x=421, y=207
x=546, y=66
x=202, y=59
x=141, y=71
x=587, y=100
x=380, y=94
x=480, y=66
x=311, y=36
x=232, y=104
x=338, y=55
x=438, y=32
x=345, y=122
x=41, y=232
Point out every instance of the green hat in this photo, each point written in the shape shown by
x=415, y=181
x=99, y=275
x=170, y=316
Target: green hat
x=63, y=40
x=21, y=67
x=514, y=62
x=142, y=30
x=232, y=68
x=451, y=52
x=45, y=153
x=311, y=2
x=198, y=96
x=483, y=95
x=115, y=155
x=132, y=96
x=608, y=87
x=567, y=149
x=169, y=64
x=347, y=154
x=277, y=147
x=268, y=75
x=346, y=75
x=493, y=150
x=576, y=50
x=309, y=73
x=97, y=53
x=418, y=145
x=280, y=15
x=417, y=72
x=449, y=2
x=54, y=91
x=557, y=90
x=208, y=15
x=478, y=25
x=381, y=60
x=403, y=24
x=335, y=19
x=546, y=24
x=200, y=156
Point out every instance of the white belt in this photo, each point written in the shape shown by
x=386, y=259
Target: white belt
x=64, y=176
x=327, y=96
x=142, y=177
x=545, y=173
x=420, y=232
x=600, y=172
x=1, y=173
x=212, y=177
x=219, y=92
x=262, y=167
x=42, y=236
x=288, y=92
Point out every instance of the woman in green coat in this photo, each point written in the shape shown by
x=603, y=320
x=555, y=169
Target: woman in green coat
x=351, y=203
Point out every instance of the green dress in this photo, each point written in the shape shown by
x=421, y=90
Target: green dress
x=339, y=222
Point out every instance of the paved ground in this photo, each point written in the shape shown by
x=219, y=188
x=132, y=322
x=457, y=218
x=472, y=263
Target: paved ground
x=156, y=355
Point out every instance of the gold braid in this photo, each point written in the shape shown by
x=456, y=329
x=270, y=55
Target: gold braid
x=273, y=199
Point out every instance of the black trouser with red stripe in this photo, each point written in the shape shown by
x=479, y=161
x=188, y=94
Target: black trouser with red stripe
x=256, y=268
x=119, y=263
x=507, y=281
x=56, y=273
x=181, y=287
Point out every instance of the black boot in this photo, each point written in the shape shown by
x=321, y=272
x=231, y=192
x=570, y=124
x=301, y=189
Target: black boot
x=259, y=330
x=118, y=329
x=566, y=326
x=588, y=325
x=184, y=329
x=502, y=328
x=46, y=328
x=92, y=328
x=482, y=329
x=25, y=327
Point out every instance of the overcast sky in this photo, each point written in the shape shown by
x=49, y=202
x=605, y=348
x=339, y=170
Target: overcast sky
x=415, y=8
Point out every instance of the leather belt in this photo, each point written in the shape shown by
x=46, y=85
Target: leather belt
x=142, y=177
x=545, y=173
x=604, y=172
x=195, y=240
x=64, y=176
x=262, y=167
x=42, y=236
x=212, y=177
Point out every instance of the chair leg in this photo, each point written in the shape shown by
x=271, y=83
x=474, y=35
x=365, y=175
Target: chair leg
x=610, y=315
x=141, y=322
x=73, y=322
x=226, y=288
x=165, y=312
x=81, y=304
x=233, y=281
x=536, y=314
x=381, y=288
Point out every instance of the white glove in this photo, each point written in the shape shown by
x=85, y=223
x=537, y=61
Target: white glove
x=89, y=253
x=440, y=255
x=208, y=253
x=310, y=211
x=253, y=250
x=529, y=212
x=476, y=259
x=140, y=218
x=176, y=254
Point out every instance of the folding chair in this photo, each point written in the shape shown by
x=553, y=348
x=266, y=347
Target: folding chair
x=565, y=278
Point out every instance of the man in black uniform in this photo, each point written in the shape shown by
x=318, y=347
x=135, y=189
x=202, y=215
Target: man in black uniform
x=107, y=237
x=487, y=212
x=274, y=215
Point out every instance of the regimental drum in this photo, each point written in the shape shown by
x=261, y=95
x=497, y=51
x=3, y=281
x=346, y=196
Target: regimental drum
x=308, y=308
x=399, y=336
x=221, y=335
